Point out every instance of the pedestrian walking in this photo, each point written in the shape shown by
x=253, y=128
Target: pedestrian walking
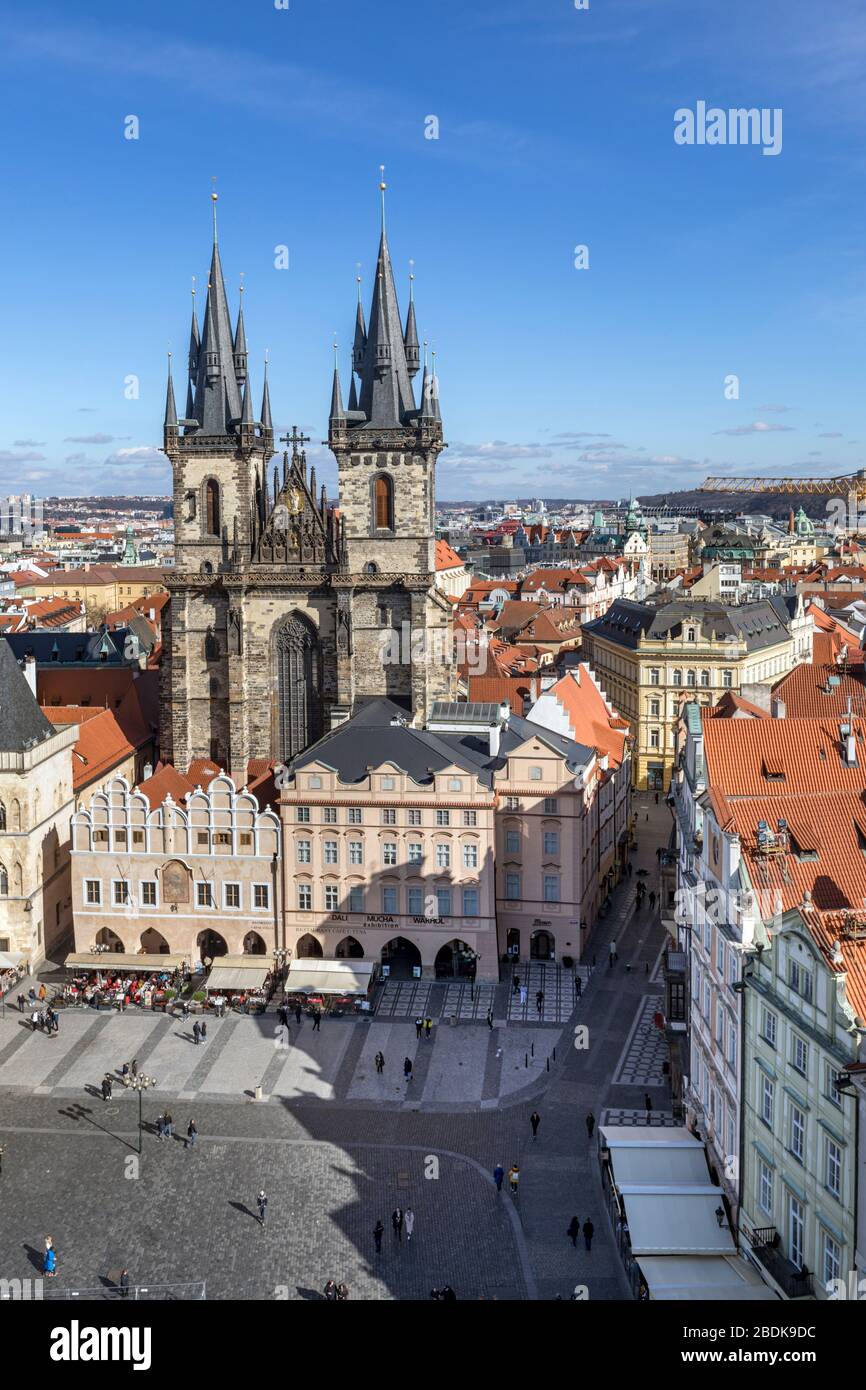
x=124, y=1283
x=160, y=1127
x=657, y=802
x=648, y=1107
x=298, y=1014
x=498, y=1175
x=21, y=1002
x=133, y=1066
x=168, y=1124
x=515, y=984
x=611, y=953
x=317, y=1020
x=49, y=1262
x=578, y=985
x=262, y=1204
x=629, y=868
x=204, y=1030
x=535, y=1121
x=191, y=1135
x=330, y=1291
x=652, y=897
x=107, y=1083
x=342, y=1292
x=43, y=994
x=588, y=1233
x=378, y=1232
x=185, y=1008
x=397, y=1222
x=574, y=1230
x=490, y=1019
x=419, y=1025
x=407, y=1068
x=409, y=1223
x=524, y=994
x=428, y=1027
x=380, y=1062
x=513, y=1178
x=34, y=1020
x=539, y=1001
x=590, y=1124
x=196, y=1032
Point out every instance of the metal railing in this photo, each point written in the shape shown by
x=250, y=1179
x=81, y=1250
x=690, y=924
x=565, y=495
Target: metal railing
x=137, y=1293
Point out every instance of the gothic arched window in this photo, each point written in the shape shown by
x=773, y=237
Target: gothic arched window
x=4, y=882
x=383, y=502
x=2, y=815
x=298, y=680
x=212, y=507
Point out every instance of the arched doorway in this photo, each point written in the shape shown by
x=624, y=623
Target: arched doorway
x=402, y=958
x=308, y=948
x=106, y=937
x=455, y=960
x=211, y=944
x=253, y=944
x=349, y=949
x=298, y=671
x=541, y=946
x=153, y=942
x=512, y=943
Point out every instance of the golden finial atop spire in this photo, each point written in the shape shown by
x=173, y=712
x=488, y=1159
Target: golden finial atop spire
x=214, y=195
x=382, y=186
x=242, y=284
x=358, y=278
x=425, y=354
x=192, y=291
x=336, y=354
x=411, y=282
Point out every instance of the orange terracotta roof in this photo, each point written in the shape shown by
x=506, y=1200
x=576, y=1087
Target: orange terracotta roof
x=517, y=690
x=591, y=721
x=446, y=558
x=730, y=705
x=166, y=781
x=101, y=747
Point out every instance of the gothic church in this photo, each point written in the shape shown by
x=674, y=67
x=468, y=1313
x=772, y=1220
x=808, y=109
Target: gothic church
x=281, y=605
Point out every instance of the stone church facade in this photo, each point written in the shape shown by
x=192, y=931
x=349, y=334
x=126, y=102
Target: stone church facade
x=286, y=614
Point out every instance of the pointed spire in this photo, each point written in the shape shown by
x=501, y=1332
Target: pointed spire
x=323, y=501
x=194, y=339
x=426, y=412
x=386, y=389
x=267, y=422
x=410, y=336
x=353, y=397
x=337, y=412
x=170, y=408
x=360, y=342
x=240, y=340
x=434, y=389
x=217, y=390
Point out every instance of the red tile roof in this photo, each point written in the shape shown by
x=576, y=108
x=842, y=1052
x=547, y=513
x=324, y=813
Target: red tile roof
x=591, y=719
x=446, y=558
x=730, y=705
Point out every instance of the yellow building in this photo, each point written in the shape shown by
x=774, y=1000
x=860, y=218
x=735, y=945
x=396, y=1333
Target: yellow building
x=650, y=657
x=101, y=588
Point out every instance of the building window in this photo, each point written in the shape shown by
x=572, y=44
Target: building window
x=415, y=816
x=470, y=856
x=705, y=678
x=799, y=1055
x=551, y=842
x=330, y=815
x=798, y=1132
x=330, y=852
x=831, y=1258
x=232, y=894
x=512, y=841
x=831, y=1077
x=690, y=679
x=551, y=806
x=389, y=852
x=355, y=815
x=535, y=774
x=356, y=898
x=690, y=635
x=383, y=502
x=121, y=893
x=443, y=817
x=203, y=838
x=655, y=675
x=800, y=980
x=551, y=888
x=768, y=1090
x=512, y=887
x=332, y=897
x=765, y=1187
x=261, y=895
x=470, y=902
x=416, y=902
x=92, y=891
x=469, y=818
x=443, y=902
x=655, y=708
x=727, y=679
x=732, y=1045
x=678, y=677
x=455, y=784
x=204, y=894
x=512, y=803
x=389, y=817
x=305, y=851
x=796, y=1230
x=833, y=1168
x=303, y=815
x=655, y=738
x=388, y=784
x=212, y=507
x=416, y=852
x=305, y=897
x=356, y=851
x=443, y=856
x=389, y=899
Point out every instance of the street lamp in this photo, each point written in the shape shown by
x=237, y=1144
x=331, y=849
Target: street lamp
x=141, y=1083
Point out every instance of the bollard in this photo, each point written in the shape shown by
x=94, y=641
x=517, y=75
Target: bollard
x=554, y=1054
x=532, y=1048
x=258, y=1095
x=548, y=1064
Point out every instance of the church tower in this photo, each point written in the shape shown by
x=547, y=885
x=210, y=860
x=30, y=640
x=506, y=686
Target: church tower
x=399, y=640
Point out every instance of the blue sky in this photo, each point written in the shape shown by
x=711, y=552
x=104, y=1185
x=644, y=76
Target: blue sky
x=555, y=129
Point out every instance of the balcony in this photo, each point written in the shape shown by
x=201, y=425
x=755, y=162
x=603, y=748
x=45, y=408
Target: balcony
x=764, y=1243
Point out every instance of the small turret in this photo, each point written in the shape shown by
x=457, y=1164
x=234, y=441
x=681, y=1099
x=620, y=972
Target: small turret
x=240, y=343
x=410, y=337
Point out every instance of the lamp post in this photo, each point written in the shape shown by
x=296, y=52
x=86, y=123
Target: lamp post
x=141, y=1083
x=2, y=1152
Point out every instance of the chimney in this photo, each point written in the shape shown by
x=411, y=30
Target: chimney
x=777, y=708
x=30, y=671
x=502, y=719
